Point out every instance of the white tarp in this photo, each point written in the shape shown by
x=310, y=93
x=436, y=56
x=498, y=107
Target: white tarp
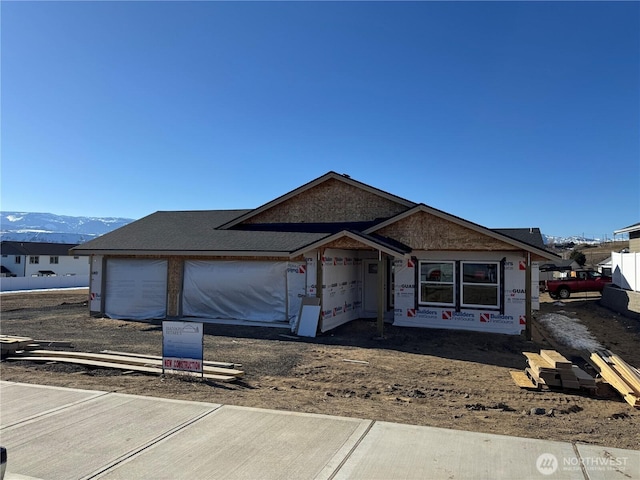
x=230, y=289
x=136, y=288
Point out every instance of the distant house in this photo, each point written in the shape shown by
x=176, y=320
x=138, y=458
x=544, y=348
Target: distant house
x=634, y=236
x=605, y=267
x=624, y=295
x=40, y=259
x=359, y=251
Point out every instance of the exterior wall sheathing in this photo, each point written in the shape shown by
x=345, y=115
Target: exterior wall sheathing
x=424, y=231
x=326, y=203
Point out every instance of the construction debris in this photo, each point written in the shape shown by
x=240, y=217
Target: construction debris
x=619, y=374
x=551, y=369
x=25, y=349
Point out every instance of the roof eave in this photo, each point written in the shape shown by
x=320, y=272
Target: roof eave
x=185, y=253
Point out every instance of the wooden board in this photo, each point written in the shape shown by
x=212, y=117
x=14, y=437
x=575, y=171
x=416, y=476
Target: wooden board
x=522, y=380
x=103, y=357
x=555, y=359
x=536, y=361
x=583, y=377
x=104, y=364
x=613, y=378
x=157, y=357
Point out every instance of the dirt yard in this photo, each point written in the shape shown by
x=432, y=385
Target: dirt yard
x=450, y=379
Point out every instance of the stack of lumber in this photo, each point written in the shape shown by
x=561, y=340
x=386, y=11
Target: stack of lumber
x=11, y=344
x=619, y=374
x=219, y=372
x=551, y=369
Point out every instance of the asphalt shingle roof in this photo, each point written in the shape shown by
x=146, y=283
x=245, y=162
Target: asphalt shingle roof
x=195, y=231
x=35, y=248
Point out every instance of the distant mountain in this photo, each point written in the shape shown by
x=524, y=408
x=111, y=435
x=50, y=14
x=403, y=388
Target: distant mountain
x=48, y=227
x=551, y=240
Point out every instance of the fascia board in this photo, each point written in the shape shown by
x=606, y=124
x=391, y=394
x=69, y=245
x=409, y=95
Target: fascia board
x=632, y=228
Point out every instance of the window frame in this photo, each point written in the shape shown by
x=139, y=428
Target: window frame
x=17, y=260
x=453, y=284
x=34, y=259
x=54, y=260
x=497, y=284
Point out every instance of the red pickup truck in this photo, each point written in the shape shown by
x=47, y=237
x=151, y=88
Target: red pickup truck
x=579, y=281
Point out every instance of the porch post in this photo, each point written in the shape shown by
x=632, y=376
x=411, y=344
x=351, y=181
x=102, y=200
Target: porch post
x=528, y=298
x=381, y=276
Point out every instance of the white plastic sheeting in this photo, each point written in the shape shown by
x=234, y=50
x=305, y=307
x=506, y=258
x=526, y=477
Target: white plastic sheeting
x=229, y=289
x=136, y=288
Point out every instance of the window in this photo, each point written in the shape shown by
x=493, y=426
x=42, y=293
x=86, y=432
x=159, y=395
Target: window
x=480, y=285
x=18, y=259
x=34, y=259
x=53, y=260
x=437, y=283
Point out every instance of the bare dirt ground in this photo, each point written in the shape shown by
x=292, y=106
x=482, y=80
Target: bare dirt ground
x=441, y=378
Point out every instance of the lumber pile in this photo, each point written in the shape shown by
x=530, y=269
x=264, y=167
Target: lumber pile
x=216, y=371
x=619, y=374
x=550, y=369
x=11, y=344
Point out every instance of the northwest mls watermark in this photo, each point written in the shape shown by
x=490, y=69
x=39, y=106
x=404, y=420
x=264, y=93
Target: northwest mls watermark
x=548, y=464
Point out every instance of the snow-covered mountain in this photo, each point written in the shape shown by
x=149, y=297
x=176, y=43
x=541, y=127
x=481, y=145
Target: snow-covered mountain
x=577, y=239
x=48, y=227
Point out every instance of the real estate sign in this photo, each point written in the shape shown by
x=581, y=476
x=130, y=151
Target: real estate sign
x=182, y=346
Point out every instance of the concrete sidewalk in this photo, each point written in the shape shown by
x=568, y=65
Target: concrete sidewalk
x=58, y=433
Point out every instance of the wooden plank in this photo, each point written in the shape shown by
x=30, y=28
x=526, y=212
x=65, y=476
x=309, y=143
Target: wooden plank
x=126, y=360
x=615, y=380
x=555, y=359
x=523, y=381
x=583, y=377
x=104, y=364
x=158, y=357
x=629, y=373
x=536, y=361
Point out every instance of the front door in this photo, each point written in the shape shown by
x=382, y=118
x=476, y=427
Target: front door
x=370, y=301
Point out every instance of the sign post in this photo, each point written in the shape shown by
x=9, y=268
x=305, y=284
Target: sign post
x=182, y=346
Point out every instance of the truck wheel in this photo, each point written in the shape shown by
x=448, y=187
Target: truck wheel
x=564, y=293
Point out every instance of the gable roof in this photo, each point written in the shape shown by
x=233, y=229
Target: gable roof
x=497, y=234
x=9, y=247
x=377, y=243
x=314, y=183
x=222, y=233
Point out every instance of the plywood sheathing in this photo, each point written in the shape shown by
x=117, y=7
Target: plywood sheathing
x=424, y=231
x=330, y=201
x=346, y=243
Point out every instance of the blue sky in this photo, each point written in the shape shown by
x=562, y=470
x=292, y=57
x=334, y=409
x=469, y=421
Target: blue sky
x=508, y=114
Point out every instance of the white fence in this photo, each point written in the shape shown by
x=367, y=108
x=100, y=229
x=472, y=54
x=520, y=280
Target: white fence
x=10, y=284
x=625, y=268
